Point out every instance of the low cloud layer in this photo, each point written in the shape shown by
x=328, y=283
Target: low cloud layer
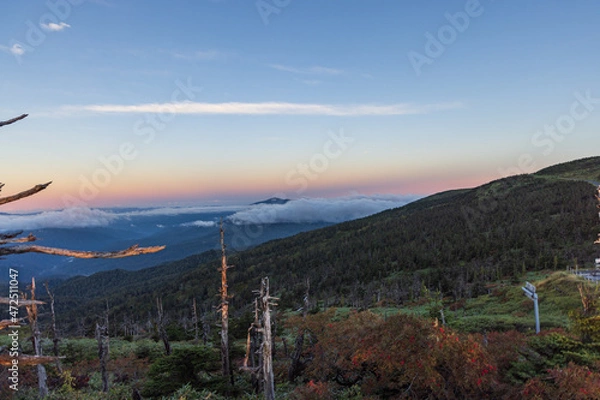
x=201, y=224
x=68, y=218
x=297, y=211
x=171, y=211
x=90, y=218
x=319, y=210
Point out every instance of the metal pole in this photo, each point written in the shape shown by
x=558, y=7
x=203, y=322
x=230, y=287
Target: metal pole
x=537, y=313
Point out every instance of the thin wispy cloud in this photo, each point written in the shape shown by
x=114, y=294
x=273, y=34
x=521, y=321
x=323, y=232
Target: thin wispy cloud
x=201, y=55
x=314, y=70
x=16, y=49
x=267, y=108
x=311, y=82
x=54, y=27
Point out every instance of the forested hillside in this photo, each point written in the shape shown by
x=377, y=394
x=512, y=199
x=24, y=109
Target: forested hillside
x=455, y=242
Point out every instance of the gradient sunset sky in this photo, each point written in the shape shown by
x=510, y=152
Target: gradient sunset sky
x=208, y=101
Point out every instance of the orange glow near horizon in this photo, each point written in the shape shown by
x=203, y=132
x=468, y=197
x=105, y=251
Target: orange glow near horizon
x=210, y=189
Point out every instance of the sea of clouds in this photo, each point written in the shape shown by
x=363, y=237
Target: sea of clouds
x=313, y=210
x=300, y=211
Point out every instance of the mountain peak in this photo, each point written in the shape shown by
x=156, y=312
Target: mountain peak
x=272, y=200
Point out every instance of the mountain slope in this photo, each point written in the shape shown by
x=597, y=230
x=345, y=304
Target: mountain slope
x=454, y=242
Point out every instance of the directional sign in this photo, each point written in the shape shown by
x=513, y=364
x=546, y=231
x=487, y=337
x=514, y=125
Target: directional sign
x=529, y=293
x=530, y=287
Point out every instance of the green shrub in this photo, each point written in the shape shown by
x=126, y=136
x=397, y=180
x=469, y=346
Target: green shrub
x=197, y=366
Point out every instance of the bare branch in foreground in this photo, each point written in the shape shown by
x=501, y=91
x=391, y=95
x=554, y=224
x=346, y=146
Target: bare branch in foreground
x=26, y=193
x=5, y=323
x=22, y=302
x=29, y=238
x=12, y=235
x=131, y=251
x=13, y=120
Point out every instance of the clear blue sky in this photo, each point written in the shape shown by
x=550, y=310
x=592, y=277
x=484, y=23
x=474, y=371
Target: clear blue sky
x=297, y=98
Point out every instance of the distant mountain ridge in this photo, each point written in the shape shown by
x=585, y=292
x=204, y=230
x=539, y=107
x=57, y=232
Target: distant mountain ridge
x=454, y=242
x=272, y=200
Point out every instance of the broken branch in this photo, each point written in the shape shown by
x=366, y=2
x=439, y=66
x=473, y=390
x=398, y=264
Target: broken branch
x=26, y=193
x=13, y=120
x=131, y=251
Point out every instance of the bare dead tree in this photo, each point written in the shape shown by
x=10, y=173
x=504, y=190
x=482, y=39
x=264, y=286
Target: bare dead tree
x=252, y=350
x=295, y=365
x=224, y=309
x=103, y=340
x=53, y=330
x=195, y=319
x=160, y=326
x=266, y=301
x=205, y=328
x=36, y=337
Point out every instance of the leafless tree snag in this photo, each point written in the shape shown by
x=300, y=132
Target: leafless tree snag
x=260, y=341
x=266, y=301
x=224, y=309
x=296, y=365
x=252, y=349
x=36, y=337
x=103, y=348
x=195, y=319
x=53, y=330
x=160, y=326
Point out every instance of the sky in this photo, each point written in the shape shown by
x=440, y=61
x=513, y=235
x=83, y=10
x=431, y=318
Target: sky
x=138, y=103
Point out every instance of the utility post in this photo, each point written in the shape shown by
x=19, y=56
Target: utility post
x=530, y=292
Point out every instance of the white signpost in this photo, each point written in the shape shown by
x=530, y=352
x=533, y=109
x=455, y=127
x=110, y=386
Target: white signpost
x=529, y=291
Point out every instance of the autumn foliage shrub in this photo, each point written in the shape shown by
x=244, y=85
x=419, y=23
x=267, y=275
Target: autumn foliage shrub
x=571, y=382
x=398, y=357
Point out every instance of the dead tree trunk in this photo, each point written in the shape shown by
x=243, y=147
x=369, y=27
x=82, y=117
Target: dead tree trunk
x=266, y=301
x=55, y=338
x=295, y=365
x=103, y=348
x=36, y=336
x=252, y=350
x=195, y=320
x=205, y=329
x=224, y=309
x=160, y=326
